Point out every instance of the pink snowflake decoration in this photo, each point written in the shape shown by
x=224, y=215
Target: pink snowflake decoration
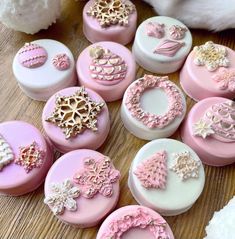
x=225, y=79
x=97, y=177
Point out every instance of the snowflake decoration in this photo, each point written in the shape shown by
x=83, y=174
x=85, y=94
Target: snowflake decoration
x=203, y=129
x=185, y=166
x=97, y=177
x=225, y=79
x=62, y=197
x=111, y=12
x=30, y=157
x=75, y=113
x=211, y=55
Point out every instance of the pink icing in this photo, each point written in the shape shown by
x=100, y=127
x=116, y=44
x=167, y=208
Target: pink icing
x=134, y=93
x=96, y=177
x=155, y=29
x=32, y=55
x=61, y=62
x=168, y=47
x=152, y=173
x=177, y=32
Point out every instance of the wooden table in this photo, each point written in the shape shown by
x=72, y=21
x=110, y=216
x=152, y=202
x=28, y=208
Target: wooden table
x=27, y=217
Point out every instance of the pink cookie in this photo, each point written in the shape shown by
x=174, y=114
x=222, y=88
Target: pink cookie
x=109, y=21
x=76, y=118
x=82, y=187
x=209, y=130
x=135, y=222
x=209, y=71
x=107, y=68
x=25, y=158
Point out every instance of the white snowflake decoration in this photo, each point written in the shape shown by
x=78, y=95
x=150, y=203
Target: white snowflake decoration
x=203, y=129
x=62, y=197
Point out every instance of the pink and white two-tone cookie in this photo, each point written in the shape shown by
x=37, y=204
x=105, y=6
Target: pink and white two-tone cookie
x=76, y=118
x=25, y=158
x=107, y=68
x=153, y=107
x=209, y=129
x=113, y=20
x=82, y=187
x=135, y=222
x=209, y=71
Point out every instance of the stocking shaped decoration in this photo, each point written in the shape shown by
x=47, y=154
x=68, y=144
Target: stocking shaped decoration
x=6, y=153
x=152, y=173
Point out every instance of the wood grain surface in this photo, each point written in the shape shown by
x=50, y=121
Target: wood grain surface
x=27, y=217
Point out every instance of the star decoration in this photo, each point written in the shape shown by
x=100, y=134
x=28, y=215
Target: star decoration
x=62, y=197
x=185, y=166
x=75, y=113
x=30, y=157
x=210, y=55
x=97, y=177
x=203, y=129
x=111, y=12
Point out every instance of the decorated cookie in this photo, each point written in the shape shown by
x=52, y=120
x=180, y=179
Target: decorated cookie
x=162, y=44
x=146, y=119
x=75, y=118
x=44, y=67
x=209, y=71
x=82, y=187
x=112, y=20
x=25, y=158
x=107, y=68
x=167, y=176
x=135, y=222
x=210, y=130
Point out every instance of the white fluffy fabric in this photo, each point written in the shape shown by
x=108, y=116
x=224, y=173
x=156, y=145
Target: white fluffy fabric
x=29, y=16
x=214, y=15
x=222, y=225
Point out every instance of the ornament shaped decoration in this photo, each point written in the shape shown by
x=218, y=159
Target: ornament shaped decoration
x=32, y=55
x=96, y=177
x=61, y=62
x=62, y=197
x=6, y=153
x=106, y=67
x=185, y=166
x=211, y=56
x=225, y=79
x=177, y=32
x=203, y=129
x=168, y=47
x=75, y=113
x=152, y=173
x=140, y=219
x=111, y=12
x=175, y=102
x=155, y=29
x=30, y=157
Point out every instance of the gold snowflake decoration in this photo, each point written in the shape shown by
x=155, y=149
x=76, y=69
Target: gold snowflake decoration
x=74, y=113
x=185, y=166
x=111, y=12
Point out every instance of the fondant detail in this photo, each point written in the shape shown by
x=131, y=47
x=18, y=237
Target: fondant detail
x=139, y=219
x=32, y=55
x=177, y=32
x=75, y=113
x=155, y=29
x=211, y=56
x=168, y=47
x=61, y=62
x=6, y=153
x=30, y=157
x=62, y=196
x=175, y=103
x=185, y=166
x=111, y=12
x=203, y=129
x=225, y=79
x=106, y=67
x=96, y=177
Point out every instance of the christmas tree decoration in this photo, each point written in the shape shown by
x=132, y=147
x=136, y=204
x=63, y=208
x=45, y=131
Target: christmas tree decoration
x=6, y=153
